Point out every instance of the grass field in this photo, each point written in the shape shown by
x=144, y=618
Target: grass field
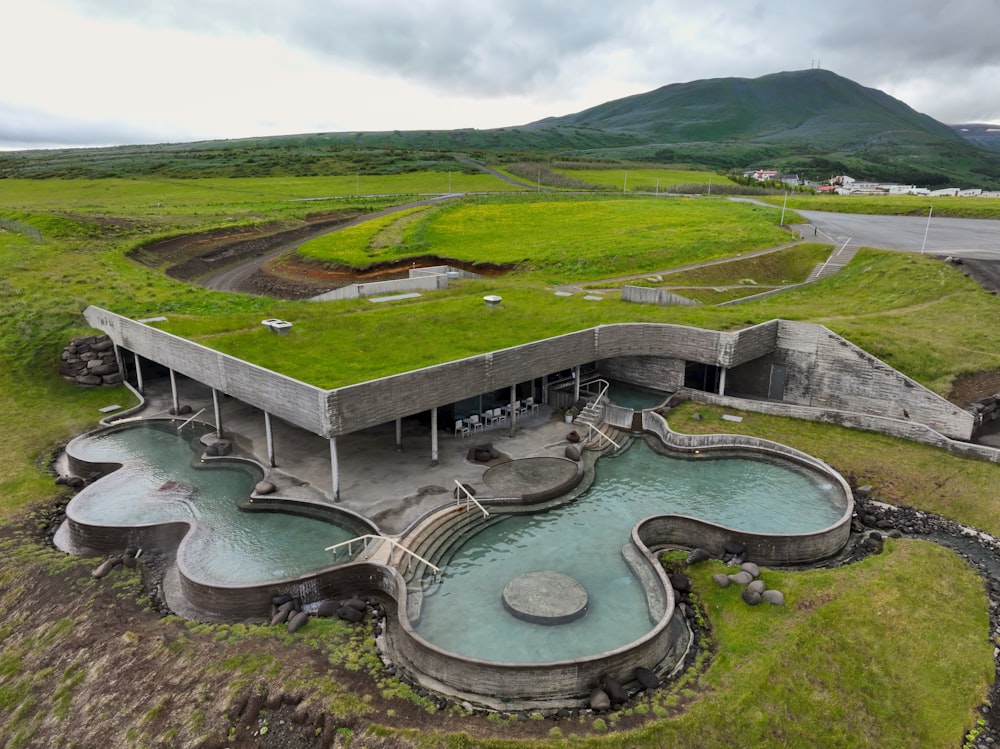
x=561, y=240
x=823, y=671
x=644, y=179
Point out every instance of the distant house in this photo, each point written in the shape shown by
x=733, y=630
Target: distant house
x=762, y=175
x=790, y=179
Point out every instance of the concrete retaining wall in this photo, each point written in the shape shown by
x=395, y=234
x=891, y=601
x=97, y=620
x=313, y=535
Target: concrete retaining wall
x=379, y=288
x=645, y=295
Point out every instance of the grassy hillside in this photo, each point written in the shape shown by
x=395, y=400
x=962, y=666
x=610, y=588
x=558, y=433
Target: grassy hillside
x=812, y=122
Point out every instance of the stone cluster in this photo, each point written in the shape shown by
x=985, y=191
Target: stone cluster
x=987, y=409
x=90, y=362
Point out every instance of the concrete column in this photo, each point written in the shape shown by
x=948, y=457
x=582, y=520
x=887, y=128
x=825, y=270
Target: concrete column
x=138, y=374
x=334, y=469
x=173, y=392
x=218, y=413
x=511, y=413
x=399, y=434
x=545, y=389
x=722, y=381
x=434, y=436
x=269, y=437
x=118, y=359
x=576, y=383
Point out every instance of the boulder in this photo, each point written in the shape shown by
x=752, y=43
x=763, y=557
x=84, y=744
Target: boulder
x=646, y=678
x=736, y=548
x=105, y=567
x=757, y=586
x=750, y=567
x=721, y=580
x=349, y=614
x=573, y=436
x=742, y=578
x=357, y=604
x=264, y=487
x=298, y=621
x=751, y=597
x=572, y=452
x=774, y=597
x=616, y=692
x=327, y=608
x=680, y=582
x=698, y=555
x=599, y=699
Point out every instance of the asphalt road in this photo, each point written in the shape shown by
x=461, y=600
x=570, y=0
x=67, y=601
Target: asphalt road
x=958, y=237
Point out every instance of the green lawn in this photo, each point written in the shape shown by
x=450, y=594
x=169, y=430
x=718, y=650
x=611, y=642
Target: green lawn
x=642, y=179
x=566, y=240
x=891, y=652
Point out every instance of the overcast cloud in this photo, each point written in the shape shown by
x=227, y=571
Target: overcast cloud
x=102, y=72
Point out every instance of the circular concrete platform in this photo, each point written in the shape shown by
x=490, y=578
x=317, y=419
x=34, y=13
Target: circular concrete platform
x=545, y=597
x=533, y=479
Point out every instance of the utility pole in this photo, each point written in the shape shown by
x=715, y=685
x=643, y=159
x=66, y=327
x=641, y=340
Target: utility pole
x=783, y=209
x=927, y=229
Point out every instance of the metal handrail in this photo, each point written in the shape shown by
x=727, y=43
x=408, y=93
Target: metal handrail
x=602, y=434
x=195, y=416
x=469, y=498
x=394, y=544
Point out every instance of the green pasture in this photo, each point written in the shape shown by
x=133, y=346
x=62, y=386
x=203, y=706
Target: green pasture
x=643, y=179
x=563, y=240
x=891, y=652
x=127, y=198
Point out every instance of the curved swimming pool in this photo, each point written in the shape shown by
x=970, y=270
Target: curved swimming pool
x=464, y=613
x=162, y=480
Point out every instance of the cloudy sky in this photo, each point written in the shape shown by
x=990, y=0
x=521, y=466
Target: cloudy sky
x=103, y=72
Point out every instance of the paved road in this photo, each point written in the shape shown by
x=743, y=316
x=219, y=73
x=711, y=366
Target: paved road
x=959, y=237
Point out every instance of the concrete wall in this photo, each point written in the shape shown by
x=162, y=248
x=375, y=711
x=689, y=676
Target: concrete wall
x=291, y=400
x=658, y=372
x=826, y=371
x=378, y=288
x=646, y=295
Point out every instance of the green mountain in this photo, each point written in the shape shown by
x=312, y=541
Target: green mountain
x=810, y=107
x=812, y=122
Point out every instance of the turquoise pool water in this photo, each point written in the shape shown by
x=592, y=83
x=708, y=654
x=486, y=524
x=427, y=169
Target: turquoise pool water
x=633, y=397
x=162, y=480
x=583, y=539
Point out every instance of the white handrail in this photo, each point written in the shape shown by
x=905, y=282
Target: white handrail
x=469, y=498
x=602, y=434
x=394, y=544
x=195, y=416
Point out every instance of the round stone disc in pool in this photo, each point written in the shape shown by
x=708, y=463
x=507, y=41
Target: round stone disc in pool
x=545, y=597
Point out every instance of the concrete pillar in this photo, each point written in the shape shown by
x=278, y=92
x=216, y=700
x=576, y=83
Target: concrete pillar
x=722, y=381
x=545, y=389
x=334, y=469
x=576, y=383
x=138, y=373
x=269, y=438
x=173, y=392
x=511, y=413
x=118, y=359
x=399, y=434
x=434, y=436
x=218, y=413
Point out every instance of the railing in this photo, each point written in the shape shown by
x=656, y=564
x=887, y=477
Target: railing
x=193, y=417
x=468, y=499
x=395, y=544
x=598, y=432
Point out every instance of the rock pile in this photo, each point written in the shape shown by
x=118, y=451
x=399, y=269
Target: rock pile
x=987, y=409
x=90, y=362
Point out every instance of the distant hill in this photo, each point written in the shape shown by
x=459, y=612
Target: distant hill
x=984, y=136
x=810, y=122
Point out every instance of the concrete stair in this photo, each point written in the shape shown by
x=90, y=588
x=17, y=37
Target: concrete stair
x=834, y=263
